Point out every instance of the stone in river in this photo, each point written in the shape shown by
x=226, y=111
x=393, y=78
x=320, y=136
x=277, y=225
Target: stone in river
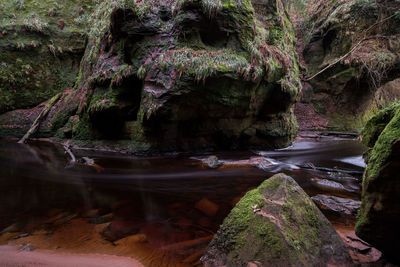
x=207, y=207
x=338, y=205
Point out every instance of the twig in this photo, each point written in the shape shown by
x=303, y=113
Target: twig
x=69, y=152
x=352, y=50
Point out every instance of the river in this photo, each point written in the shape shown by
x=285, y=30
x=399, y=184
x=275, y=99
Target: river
x=161, y=210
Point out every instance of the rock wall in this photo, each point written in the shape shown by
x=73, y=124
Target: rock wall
x=379, y=216
x=189, y=74
x=41, y=44
x=367, y=31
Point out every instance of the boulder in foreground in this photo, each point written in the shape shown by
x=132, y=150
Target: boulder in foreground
x=276, y=224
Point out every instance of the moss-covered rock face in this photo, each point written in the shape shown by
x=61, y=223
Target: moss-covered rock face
x=41, y=44
x=347, y=93
x=186, y=74
x=379, y=217
x=276, y=224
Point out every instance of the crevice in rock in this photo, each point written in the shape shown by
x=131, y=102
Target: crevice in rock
x=211, y=34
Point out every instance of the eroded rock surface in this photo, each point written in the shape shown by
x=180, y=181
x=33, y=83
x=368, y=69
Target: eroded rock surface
x=340, y=206
x=41, y=45
x=360, y=40
x=188, y=74
x=276, y=224
x=380, y=209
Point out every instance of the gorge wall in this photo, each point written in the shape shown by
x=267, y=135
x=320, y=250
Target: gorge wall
x=181, y=75
x=360, y=41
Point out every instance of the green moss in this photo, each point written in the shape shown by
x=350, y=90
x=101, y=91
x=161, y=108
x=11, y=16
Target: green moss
x=383, y=147
x=41, y=45
x=377, y=123
x=277, y=223
x=381, y=131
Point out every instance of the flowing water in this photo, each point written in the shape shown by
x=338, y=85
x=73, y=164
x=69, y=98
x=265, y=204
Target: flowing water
x=161, y=210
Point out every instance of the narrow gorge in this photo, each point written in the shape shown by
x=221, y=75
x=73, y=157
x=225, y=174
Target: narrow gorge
x=199, y=132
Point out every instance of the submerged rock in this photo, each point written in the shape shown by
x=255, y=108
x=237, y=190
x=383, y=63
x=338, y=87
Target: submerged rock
x=208, y=207
x=26, y=248
x=341, y=206
x=276, y=224
x=379, y=219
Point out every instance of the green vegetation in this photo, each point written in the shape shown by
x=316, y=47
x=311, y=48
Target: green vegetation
x=41, y=46
x=377, y=123
x=379, y=181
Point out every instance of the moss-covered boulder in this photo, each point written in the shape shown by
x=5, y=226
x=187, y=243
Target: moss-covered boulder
x=185, y=75
x=41, y=44
x=379, y=217
x=360, y=40
x=276, y=224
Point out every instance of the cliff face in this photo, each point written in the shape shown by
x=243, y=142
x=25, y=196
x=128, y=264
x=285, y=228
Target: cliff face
x=41, y=44
x=379, y=216
x=182, y=75
x=361, y=42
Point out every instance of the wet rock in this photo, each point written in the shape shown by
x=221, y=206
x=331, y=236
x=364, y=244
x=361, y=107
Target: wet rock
x=119, y=229
x=131, y=240
x=21, y=236
x=177, y=209
x=328, y=185
x=212, y=162
x=27, y=247
x=360, y=251
x=205, y=223
x=379, y=217
x=15, y=227
x=103, y=219
x=91, y=213
x=340, y=206
x=207, y=207
x=61, y=218
x=276, y=224
x=252, y=162
x=184, y=223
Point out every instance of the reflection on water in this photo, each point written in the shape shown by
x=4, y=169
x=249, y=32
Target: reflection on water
x=168, y=207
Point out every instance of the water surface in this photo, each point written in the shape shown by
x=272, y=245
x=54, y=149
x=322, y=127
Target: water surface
x=153, y=199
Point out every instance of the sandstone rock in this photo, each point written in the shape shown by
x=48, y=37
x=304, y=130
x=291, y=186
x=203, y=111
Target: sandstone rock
x=330, y=186
x=340, y=206
x=260, y=162
x=211, y=75
x=40, y=57
x=206, y=206
x=348, y=92
x=119, y=229
x=379, y=219
x=276, y=224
